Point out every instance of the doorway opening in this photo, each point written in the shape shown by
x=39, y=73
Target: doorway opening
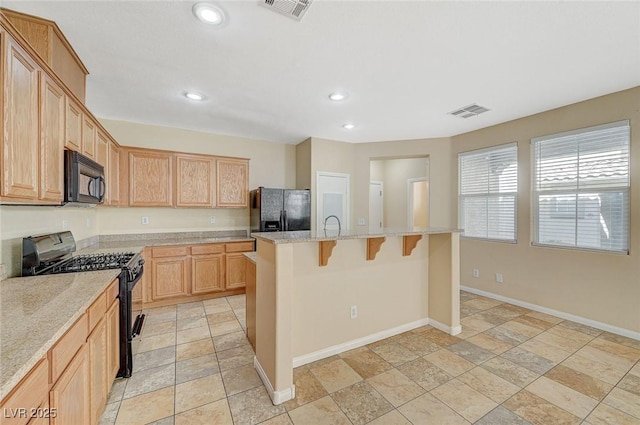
x=376, y=206
x=418, y=202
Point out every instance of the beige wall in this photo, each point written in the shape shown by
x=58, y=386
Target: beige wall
x=441, y=211
x=389, y=292
x=597, y=286
x=271, y=165
x=17, y=222
x=303, y=165
x=394, y=174
x=333, y=157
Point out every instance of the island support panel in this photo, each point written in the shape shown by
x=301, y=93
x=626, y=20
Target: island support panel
x=444, y=282
x=274, y=287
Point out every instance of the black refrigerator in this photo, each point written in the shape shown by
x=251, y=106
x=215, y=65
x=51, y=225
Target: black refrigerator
x=277, y=210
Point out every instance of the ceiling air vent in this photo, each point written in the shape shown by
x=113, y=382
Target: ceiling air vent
x=292, y=8
x=469, y=111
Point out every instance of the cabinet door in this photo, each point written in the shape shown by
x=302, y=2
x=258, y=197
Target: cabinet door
x=102, y=150
x=52, y=127
x=113, y=179
x=73, y=127
x=194, y=181
x=232, y=183
x=236, y=273
x=150, y=179
x=21, y=140
x=207, y=273
x=70, y=395
x=97, y=343
x=88, y=136
x=113, y=342
x=169, y=277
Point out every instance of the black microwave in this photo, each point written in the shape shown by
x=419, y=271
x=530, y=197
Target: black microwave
x=83, y=179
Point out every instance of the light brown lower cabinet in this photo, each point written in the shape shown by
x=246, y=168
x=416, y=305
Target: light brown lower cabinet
x=177, y=273
x=71, y=383
x=113, y=341
x=97, y=343
x=236, y=275
x=169, y=272
x=207, y=273
x=70, y=395
x=29, y=394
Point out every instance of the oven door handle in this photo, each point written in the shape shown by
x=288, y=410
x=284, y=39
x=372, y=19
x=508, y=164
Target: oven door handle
x=132, y=283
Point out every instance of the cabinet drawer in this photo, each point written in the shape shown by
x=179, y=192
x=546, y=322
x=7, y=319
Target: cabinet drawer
x=169, y=251
x=207, y=249
x=112, y=292
x=67, y=346
x=240, y=247
x=97, y=311
x=29, y=394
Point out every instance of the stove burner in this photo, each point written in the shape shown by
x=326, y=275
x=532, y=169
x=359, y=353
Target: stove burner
x=91, y=262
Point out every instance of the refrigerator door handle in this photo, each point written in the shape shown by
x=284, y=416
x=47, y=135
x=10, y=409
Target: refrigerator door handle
x=285, y=223
x=281, y=220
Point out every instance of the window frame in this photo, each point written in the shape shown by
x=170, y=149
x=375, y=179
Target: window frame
x=490, y=195
x=535, y=194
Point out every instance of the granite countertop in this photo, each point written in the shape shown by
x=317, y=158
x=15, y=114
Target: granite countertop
x=140, y=244
x=251, y=256
x=332, y=235
x=36, y=311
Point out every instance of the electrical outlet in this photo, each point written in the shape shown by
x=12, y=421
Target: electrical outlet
x=361, y=221
x=499, y=278
x=212, y=219
x=88, y=222
x=475, y=273
x=65, y=224
x=354, y=311
x=144, y=220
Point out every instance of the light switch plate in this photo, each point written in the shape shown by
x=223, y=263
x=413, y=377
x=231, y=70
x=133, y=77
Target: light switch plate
x=145, y=220
x=361, y=221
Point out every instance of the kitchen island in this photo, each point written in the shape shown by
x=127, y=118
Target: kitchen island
x=322, y=293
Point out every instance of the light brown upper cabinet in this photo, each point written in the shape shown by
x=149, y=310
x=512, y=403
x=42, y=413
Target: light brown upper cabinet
x=53, y=48
x=102, y=151
x=194, y=181
x=150, y=179
x=113, y=184
x=232, y=183
x=52, y=128
x=89, y=129
x=20, y=143
x=73, y=136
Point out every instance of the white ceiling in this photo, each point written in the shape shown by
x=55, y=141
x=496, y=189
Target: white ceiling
x=405, y=64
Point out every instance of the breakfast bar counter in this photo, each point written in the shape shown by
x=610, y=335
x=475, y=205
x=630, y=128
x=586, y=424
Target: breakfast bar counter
x=322, y=293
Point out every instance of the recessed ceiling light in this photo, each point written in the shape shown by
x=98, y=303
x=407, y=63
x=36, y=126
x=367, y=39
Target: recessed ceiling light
x=193, y=95
x=337, y=96
x=208, y=13
x=348, y=126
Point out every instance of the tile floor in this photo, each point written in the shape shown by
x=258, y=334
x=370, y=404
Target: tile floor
x=509, y=366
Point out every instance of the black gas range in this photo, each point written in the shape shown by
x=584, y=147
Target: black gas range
x=53, y=253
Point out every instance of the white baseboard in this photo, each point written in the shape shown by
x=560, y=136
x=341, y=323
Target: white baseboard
x=561, y=314
x=356, y=343
x=455, y=330
x=277, y=397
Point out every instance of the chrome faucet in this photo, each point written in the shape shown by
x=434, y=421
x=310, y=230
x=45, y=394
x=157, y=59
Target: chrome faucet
x=337, y=219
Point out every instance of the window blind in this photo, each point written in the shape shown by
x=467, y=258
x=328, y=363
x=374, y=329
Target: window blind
x=581, y=188
x=487, y=189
